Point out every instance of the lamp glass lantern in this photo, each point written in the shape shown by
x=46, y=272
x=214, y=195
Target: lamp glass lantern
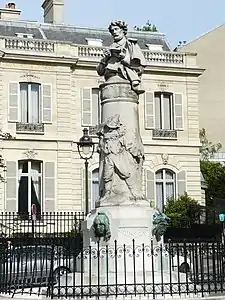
x=86, y=149
x=85, y=145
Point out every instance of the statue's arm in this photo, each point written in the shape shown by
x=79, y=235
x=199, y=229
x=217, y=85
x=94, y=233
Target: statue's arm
x=101, y=68
x=103, y=63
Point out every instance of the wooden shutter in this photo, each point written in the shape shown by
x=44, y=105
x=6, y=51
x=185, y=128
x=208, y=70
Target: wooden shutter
x=86, y=106
x=89, y=189
x=178, y=112
x=181, y=183
x=11, y=186
x=49, y=186
x=149, y=110
x=13, y=105
x=46, y=103
x=95, y=107
x=150, y=186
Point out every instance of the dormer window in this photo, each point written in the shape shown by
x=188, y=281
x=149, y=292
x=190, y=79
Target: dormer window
x=155, y=47
x=94, y=42
x=25, y=35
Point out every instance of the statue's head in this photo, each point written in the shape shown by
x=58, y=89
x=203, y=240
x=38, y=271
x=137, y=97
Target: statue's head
x=118, y=30
x=101, y=226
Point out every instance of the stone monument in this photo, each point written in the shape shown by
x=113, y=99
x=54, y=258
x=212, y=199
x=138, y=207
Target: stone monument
x=123, y=231
x=120, y=145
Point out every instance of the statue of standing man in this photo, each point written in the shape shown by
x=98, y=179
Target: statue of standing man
x=121, y=148
x=124, y=58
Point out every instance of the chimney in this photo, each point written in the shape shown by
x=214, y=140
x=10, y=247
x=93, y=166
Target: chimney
x=53, y=11
x=10, y=12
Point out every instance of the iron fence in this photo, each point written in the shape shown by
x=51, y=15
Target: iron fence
x=58, y=224
x=102, y=270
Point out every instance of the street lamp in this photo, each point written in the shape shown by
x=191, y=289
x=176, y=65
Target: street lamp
x=222, y=220
x=86, y=149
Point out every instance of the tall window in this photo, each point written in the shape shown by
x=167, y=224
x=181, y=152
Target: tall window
x=165, y=187
x=95, y=187
x=30, y=103
x=90, y=107
x=30, y=186
x=164, y=111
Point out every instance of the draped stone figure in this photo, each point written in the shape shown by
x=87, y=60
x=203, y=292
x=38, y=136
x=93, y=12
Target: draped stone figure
x=120, y=146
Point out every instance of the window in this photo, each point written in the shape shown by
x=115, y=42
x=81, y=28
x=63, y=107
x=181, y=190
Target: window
x=163, y=111
x=155, y=47
x=94, y=42
x=165, y=187
x=25, y=35
x=30, y=103
x=90, y=107
x=95, y=187
x=30, y=186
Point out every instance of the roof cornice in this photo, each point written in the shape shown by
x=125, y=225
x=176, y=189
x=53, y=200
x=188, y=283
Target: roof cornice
x=74, y=62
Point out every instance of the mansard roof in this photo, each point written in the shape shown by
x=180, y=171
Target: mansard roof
x=76, y=35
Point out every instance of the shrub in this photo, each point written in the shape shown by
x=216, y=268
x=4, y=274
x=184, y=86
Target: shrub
x=183, y=210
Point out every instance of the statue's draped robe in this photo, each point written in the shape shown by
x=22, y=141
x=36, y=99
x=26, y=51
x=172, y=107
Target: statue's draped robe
x=131, y=67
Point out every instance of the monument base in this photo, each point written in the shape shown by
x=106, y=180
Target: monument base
x=129, y=225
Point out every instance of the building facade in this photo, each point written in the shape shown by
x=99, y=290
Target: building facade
x=210, y=56
x=49, y=91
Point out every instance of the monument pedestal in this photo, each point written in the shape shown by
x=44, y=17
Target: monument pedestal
x=130, y=245
x=127, y=223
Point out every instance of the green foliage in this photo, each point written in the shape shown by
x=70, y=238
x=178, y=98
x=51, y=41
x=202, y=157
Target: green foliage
x=214, y=174
x=147, y=27
x=207, y=149
x=183, y=210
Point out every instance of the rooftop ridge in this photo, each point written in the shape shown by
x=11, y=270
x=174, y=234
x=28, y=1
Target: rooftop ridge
x=36, y=24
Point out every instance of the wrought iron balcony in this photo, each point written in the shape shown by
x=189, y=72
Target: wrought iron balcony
x=30, y=127
x=164, y=134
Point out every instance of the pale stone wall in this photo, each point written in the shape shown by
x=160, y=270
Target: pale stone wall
x=58, y=142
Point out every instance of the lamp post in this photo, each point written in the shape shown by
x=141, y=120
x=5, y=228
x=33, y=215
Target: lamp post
x=222, y=220
x=86, y=149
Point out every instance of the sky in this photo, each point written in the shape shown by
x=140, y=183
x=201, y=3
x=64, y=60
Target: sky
x=179, y=20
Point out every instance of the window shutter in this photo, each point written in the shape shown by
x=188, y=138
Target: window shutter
x=11, y=186
x=13, y=105
x=86, y=105
x=178, y=112
x=46, y=103
x=89, y=189
x=150, y=186
x=149, y=110
x=181, y=183
x=49, y=186
x=95, y=107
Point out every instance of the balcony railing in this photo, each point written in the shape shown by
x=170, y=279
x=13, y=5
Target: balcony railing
x=29, y=127
x=29, y=44
x=90, y=52
x=158, y=57
x=164, y=57
x=164, y=134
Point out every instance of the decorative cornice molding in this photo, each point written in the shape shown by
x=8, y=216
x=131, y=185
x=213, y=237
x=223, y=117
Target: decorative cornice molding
x=41, y=58
x=2, y=53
